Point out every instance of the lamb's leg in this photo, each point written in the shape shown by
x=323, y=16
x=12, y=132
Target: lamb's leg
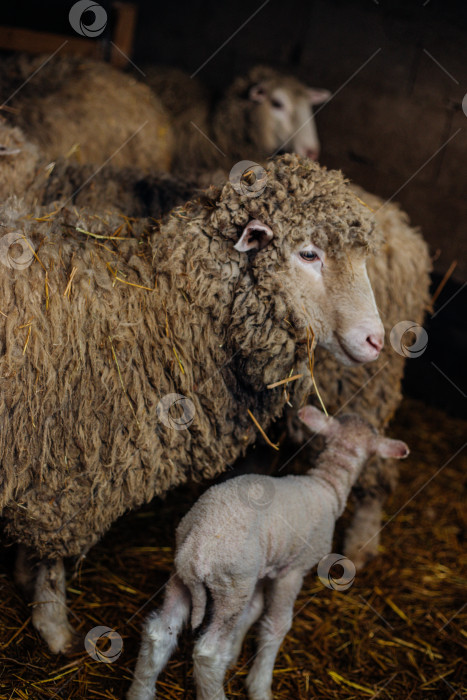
x=159, y=639
x=49, y=610
x=248, y=618
x=213, y=650
x=363, y=535
x=273, y=627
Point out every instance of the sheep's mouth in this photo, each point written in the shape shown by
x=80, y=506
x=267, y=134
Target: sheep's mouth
x=352, y=359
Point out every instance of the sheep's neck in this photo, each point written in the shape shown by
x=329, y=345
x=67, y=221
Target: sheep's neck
x=337, y=468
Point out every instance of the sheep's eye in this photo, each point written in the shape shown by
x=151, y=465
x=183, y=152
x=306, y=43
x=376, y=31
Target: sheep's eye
x=309, y=256
x=277, y=103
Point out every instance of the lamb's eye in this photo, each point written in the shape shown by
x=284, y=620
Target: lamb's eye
x=277, y=103
x=309, y=256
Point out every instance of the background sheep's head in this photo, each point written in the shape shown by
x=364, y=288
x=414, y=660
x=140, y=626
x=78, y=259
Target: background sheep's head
x=280, y=110
x=305, y=239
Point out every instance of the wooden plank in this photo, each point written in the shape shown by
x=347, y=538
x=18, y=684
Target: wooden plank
x=123, y=33
x=15, y=39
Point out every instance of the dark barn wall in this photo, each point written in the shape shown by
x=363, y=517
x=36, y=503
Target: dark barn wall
x=383, y=125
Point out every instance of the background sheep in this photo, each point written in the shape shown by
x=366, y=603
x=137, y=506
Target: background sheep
x=259, y=115
x=72, y=104
x=127, y=190
x=231, y=553
x=19, y=161
x=96, y=334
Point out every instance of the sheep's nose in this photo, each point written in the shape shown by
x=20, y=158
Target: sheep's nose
x=376, y=341
x=312, y=153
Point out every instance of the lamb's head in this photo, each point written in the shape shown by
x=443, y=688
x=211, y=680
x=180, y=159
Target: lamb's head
x=280, y=108
x=304, y=240
x=353, y=434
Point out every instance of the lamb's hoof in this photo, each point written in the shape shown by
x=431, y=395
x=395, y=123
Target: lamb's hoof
x=360, y=555
x=258, y=693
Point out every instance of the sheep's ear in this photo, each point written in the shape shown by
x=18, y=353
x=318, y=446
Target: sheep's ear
x=257, y=93
x=316, y=420
x=318, y=95
x=386, y=447
x=255, y=236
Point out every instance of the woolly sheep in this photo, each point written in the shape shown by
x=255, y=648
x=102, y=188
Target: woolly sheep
x=214, y=305
x=230, y=552
x=127, y=190
x=399, y=275
x=19, y=161
x=260, y=114
x=72, y=104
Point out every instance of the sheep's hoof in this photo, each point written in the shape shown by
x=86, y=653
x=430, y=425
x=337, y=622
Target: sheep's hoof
x=74, y=646
x=62, y=640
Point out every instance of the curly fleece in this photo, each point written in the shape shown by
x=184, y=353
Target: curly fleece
x=86, y=356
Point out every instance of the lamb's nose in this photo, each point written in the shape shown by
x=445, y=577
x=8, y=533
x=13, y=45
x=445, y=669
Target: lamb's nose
x=376, y=342
x=312, y=153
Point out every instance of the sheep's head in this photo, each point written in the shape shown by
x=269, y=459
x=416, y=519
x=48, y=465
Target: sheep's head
x=304, y=240
x=280, y=108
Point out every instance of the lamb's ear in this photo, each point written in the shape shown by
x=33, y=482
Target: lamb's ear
x=255, y=236
x=318, y=95
x=316, y=420
x=257, y=93
x=386, y=447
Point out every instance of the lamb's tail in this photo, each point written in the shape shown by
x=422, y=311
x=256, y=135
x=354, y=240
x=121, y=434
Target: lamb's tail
x=198, y=601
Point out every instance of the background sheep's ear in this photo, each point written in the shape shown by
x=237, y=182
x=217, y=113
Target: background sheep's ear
x=257, y=93
x=318, y=95
x=386, y=447
x=255, y=236
x=316, y=420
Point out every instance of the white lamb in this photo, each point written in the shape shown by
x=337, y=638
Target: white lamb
x=234, y=546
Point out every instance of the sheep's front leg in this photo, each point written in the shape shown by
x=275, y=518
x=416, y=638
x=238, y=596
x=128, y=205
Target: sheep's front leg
x=49, y=610
x=273, y=627
x=363, y=535
x=377, y=480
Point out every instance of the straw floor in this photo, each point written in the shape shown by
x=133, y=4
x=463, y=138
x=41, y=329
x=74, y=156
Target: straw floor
x=399, y=632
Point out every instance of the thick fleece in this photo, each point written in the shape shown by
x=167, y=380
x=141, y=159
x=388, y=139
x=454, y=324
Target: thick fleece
x=127, y=190
x=88, y=107
x=19, y=161
x=94, y=333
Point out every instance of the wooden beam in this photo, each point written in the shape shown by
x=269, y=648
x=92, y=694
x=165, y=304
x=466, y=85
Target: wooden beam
x=30, y=41
x=123, y=33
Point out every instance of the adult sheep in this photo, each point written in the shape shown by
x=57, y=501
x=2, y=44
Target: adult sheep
x=19, y=161
x=96, y=339
x=130, y=190
x=260, y=114
x=72, y=104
